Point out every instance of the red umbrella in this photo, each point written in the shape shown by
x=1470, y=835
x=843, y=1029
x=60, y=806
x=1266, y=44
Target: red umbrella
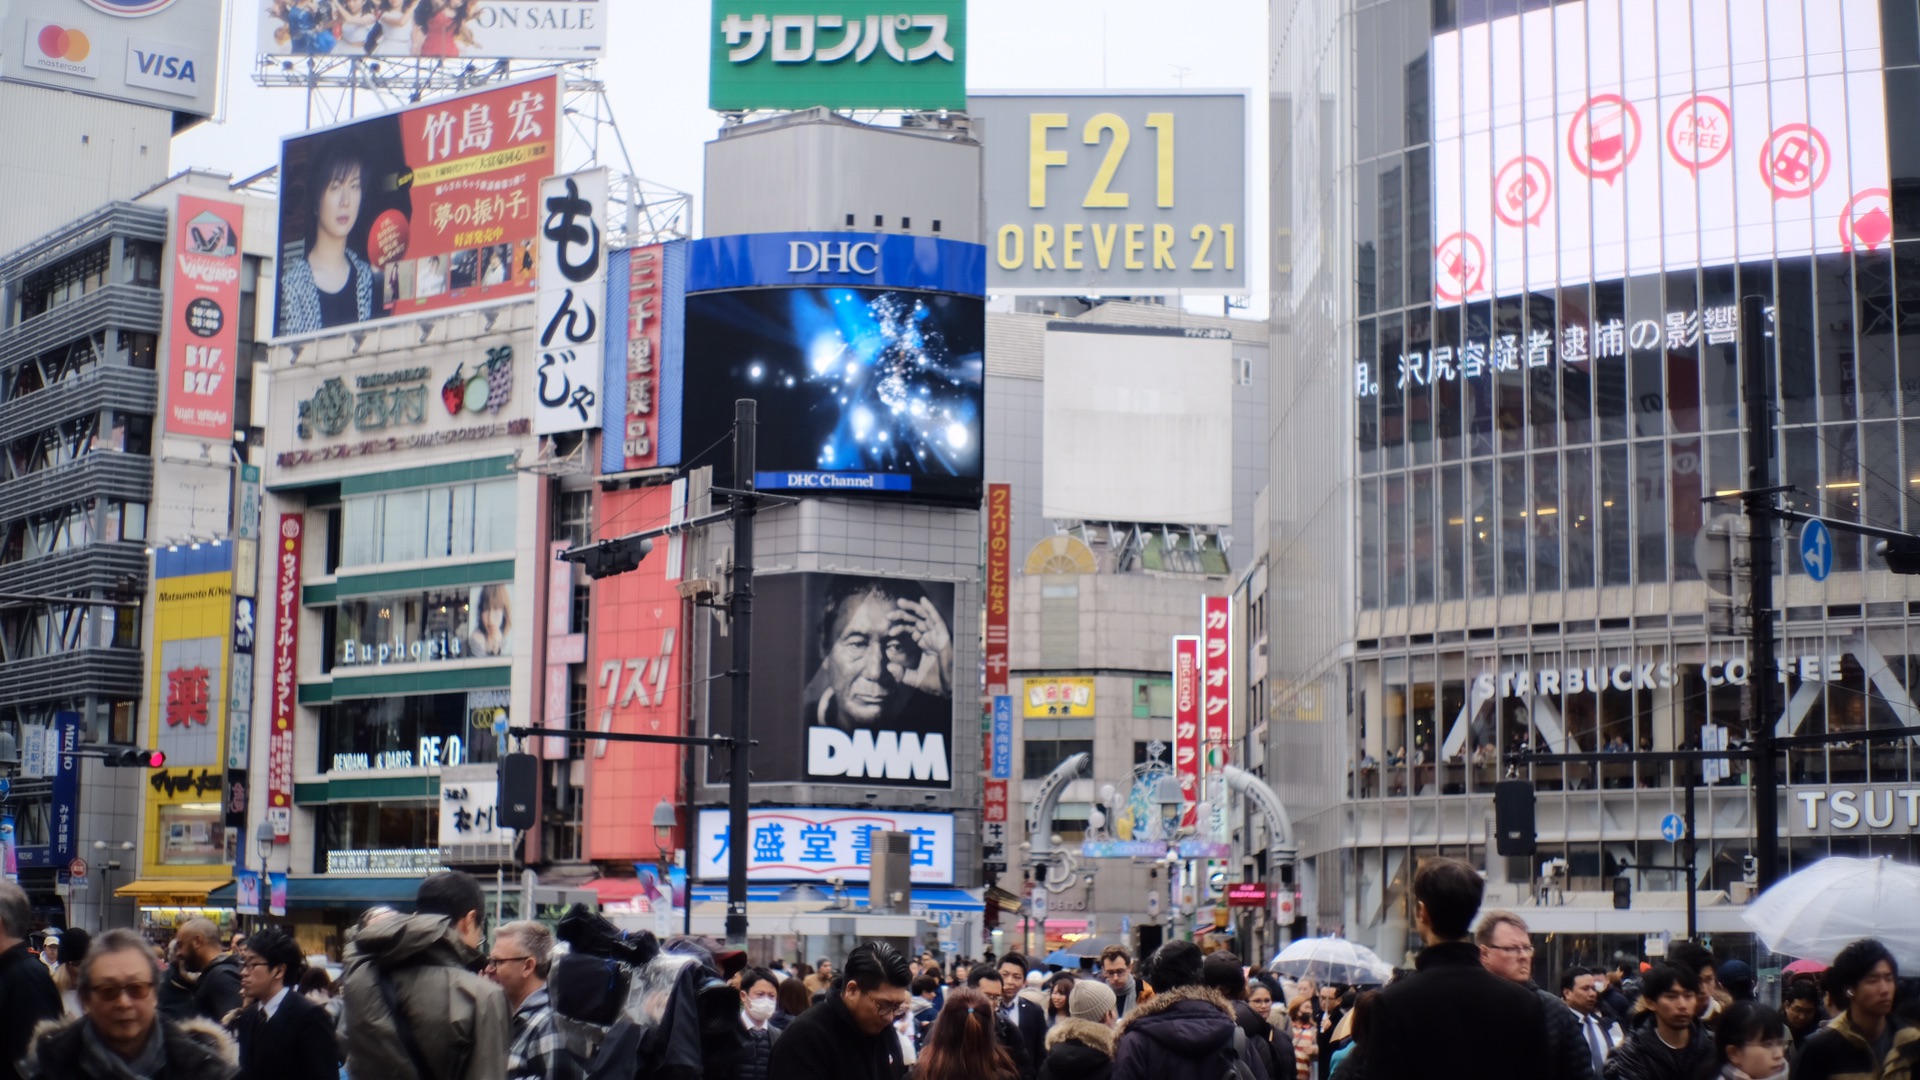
x=1805, y=967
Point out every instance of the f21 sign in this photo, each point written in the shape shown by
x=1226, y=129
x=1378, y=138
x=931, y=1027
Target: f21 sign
x=573, y=295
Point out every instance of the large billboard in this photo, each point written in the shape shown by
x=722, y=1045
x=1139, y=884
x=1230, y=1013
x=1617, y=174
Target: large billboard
x=203, y=321
x=160, y=53
x=425, y=209
x=446, y=29
x=819, y=844
x=848, y=54
x=853, y=681
x=1115, y=194
x=192, y=622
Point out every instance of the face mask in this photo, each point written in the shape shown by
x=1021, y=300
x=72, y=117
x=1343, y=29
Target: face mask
x=760, y=1008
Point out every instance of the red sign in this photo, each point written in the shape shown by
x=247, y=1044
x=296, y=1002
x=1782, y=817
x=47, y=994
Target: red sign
x=1186, y=721
x=1216, y=667
x=187, y=696
x=1247, y=894
x=1700, y=132
x=286, y=649
x=646, y=296
x=996, y=805
x=999, y=582
x=1522, y=191
x=1459, y=267
x=1604, y=137
x=203, y=321
x=1867, y=222
x=1795, y=161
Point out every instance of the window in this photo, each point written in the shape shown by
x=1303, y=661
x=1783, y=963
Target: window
x=192, y=834
x=419, y=732
x=1153, y=698
x=428, y=523
x=464, y=623
x=1045, y=755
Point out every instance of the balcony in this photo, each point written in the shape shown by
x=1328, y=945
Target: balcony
x=122, y=389
x=131, y=220
x=103, y=474
x=125, y=307
x=74, y=573
x=113, y=673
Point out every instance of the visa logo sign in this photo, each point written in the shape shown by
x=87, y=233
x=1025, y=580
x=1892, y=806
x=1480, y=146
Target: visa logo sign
x=170, y=69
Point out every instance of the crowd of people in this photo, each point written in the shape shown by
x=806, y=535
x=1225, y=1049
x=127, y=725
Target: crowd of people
x=432, y=996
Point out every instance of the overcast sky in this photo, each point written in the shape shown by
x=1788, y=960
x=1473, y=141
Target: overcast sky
x=657, y=80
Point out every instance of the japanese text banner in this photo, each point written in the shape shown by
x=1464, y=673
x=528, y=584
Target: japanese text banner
x=794, y=844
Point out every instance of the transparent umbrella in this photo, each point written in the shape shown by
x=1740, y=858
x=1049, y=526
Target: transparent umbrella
x=1817, y=911
x=1332, y=960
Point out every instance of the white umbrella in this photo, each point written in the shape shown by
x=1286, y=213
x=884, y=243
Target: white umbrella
x=1332, y=960
x=1817, y=911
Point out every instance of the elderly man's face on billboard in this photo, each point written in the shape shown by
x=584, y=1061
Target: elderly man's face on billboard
x=880, y=650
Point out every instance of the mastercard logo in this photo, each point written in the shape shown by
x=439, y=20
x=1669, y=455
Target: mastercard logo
x=64, y=43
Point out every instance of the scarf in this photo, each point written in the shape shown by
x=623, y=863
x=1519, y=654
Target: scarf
x=102, y=1061
x=1731, y=1072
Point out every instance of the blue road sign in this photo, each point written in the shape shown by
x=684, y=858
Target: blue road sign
x=6, y=786
x=1673, y=828
x=1816, y=550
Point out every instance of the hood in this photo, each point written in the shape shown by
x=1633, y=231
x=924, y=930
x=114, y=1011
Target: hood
x=1256, y=1026
x=1094, y=1037
x=411, y=939
x=1191, y=1020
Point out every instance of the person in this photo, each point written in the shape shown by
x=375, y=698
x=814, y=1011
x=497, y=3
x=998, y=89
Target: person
x=357, y=18
x=1506, y=950
x=1580, y=991
x=122, y=1034
x=1221, y=972
x=962, y=1044
x=1186, y=1032
x=1736, y=978
x=330, y=284
x=415, y=1007
x=791, y=999
x=1432, y=1024
x=438, y=26
x=886, y=661
x=50, y=952
x=1614, y=999
x=923, y=1005
x=1865, y=1039
x=1698, y=959
x=1260, y=995
x=492, y=622
x=28, y=996
x=1081, y=1046
x=282, y=1035
x=850, y=1035
x=1116, y=967
x=820, y=978
x=317, y=986
x=1350, y=1061
x=1059, y=992
x=73, y=949
x=1800, y=1001
x=1028, y=1019
x=759, y=1000
x=521, y=958
x=1328, y=1013
x=1668, y=1042
x=1304, y=1034
x=215, y=992
x=986, y=979
x=1753, y=1043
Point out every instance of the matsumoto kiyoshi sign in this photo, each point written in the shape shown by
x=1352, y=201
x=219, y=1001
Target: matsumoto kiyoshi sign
x=841, y=54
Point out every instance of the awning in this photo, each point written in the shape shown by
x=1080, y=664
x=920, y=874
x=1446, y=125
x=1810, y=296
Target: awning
x=925, y=897
x=172, y=892
x=343, y=892
x=614, y=890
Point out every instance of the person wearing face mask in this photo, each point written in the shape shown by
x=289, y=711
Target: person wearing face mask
x=1753, y=1043
x=759, y=996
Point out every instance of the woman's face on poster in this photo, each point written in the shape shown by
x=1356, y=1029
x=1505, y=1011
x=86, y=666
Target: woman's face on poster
x=340, y=202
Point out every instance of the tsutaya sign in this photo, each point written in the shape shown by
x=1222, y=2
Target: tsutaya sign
x=1849, y=809
x=1651, y=675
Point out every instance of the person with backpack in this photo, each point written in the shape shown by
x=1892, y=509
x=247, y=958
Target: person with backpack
x=1186, y=1031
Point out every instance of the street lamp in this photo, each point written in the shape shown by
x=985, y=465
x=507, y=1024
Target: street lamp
x=263, y=839
x=665, y=819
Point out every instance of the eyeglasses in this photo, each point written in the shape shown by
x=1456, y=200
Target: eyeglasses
x=254, y=964
x=136, y=991
x=1513, y=950
x=496, y=961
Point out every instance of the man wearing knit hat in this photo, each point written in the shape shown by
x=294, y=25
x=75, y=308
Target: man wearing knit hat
x=1080, y=1045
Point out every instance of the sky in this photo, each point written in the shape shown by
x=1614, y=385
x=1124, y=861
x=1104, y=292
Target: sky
x=656, y=77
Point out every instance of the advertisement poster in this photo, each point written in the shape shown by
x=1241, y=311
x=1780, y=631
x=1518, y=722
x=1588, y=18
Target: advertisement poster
x=853, y=680
x=425, y=209
x=1186, y=721
x=277, y=894
x=286, y=649
x=163, y=54
x=646, y=307
x=999, y=585
x=573, y=295
x=1058, y=699
x=849, y=54
x=438, y=29
x=246, y=892
x=807, y=844
x=1216, y=708
x=203, y=319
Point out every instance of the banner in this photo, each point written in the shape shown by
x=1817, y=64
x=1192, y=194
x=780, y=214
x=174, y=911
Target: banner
x=277, y=894
x=646, y=307
x=1058, y=699
x=814, y=844
x=246, y=892
x=999, y=585
x=1000, y=747
x=539, y=30
x=573, y=293
x=286, y=650
x=203, y=319
x=1216, y=668
x=1186, y=722
x=849, y=54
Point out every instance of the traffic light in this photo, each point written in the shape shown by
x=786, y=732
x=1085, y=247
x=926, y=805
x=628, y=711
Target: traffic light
x=132, y=757
x=618, y=556
x=1902, y=556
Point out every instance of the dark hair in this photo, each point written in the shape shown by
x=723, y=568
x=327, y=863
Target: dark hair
x=1624, y=963
x=874, y=964
x=1013, y=958
x=962, y=1044
x=1800, y=990
x=1664, y=977
x=792, y=996
x=337, y=158
x=1261, y=978
x=925, y=983
x=1112, y=951
x=1174, y=965
x=278, y=949
x=1568, y=976
x=1222, y=971
x=450, y=893
x=74, y=943
x=759, y=975
x=1693, y=956
x=982, y=973
x=1451, y=891
x=1745, y=1023
x=1855, y=962
x=316, y=979
x=1363, y=1014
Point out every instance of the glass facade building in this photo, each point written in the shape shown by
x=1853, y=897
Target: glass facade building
x=1512, y=239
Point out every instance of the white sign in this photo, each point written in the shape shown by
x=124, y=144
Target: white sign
x=164, y=55
x=573, y=294
x=1851, y=809
x=33, y=752
x=800, y=844
x=494, y=29
x=469, y=813
x=1714, y=737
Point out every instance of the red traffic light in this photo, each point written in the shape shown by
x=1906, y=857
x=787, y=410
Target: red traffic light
x=156, y=759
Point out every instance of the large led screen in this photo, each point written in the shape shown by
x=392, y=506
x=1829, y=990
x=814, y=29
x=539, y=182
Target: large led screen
x=861, y=390
x=1607, y=138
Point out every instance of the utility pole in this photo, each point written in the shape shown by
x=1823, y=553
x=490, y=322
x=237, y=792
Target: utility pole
x=740, y=674
x=1757, y=354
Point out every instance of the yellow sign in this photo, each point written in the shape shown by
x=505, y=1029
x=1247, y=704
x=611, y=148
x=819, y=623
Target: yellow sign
x=1058, y=698
x=187, y=694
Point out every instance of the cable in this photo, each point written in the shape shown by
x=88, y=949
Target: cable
x=684, y=468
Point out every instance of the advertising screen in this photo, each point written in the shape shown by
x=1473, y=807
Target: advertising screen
x=425, y=209
x=862, y=390
x=446, y=29
x=853, y=680
x=160, y=53
x=847, y=54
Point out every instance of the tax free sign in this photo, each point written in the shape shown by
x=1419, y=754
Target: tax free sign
x=841, y=54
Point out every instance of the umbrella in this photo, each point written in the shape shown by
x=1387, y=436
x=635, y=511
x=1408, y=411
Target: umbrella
x=1093, y=946
x=1819, y=910
x=1063, y=958
x=1332, y=960
x=1804, y=967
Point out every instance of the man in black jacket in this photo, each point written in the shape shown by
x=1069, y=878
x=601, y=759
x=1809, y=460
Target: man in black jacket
x=1506, y=950
x=1028, y=1019
x=282, y=1035
x=850, y=1035
x=987, y=980
x=27, y=993
x=1666, y=1042
x=1223, y=974
x=216, y=991
x=1452, y=1017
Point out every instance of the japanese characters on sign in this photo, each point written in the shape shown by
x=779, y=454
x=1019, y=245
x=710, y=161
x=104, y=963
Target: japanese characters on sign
x=646, y=300
x=815, y=844
x=573, y=289
x=1000, y=747
x=999, y=585
x=61, y=740
x=1058, y=698
x=841, y=54
x=995, y=809
x=203, y=324
x=1186, y=721
x=193, y=623
x=1216, y=707
x=285, y=693
x=468, y=810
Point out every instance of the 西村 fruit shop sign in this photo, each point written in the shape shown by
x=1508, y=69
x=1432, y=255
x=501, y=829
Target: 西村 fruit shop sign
x=407, y=408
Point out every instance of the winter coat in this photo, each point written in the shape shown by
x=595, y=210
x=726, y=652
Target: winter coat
x=1441, y=1023
x=1136, y=992
x=195, y=1050
x=295, y=1043
x=824, y=1044
x=756, y=1050
x=1260, y=1036
x=1567, y=1048
x=217, y=993
x=1838, y=1052
x=1030, y=1021
x=1643, y=1055
x=28, y=998
x=1078, y=1050
x=1176, y=1036
x=459, y=1020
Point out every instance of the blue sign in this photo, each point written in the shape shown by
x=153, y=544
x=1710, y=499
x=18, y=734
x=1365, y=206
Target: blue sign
x=1816, y=550
x=63, y=820
x=1002, y=738
x=1673, y=828
x=876, y=260
x=828, y=481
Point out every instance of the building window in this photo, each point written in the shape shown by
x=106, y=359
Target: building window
x=428, y=523
x=1045, y=755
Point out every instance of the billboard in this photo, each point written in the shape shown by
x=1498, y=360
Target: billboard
x=853, y=680
x=203, y=321
x=817, y=844
x=1186, y=722
x=1115, y=194
x=185, y=817
x=1058, y=699
x=284, y=690
x=58, y=763
x=1138, y=425
x=434, y=396
x=849, y=54
x=573, y=300
x=999, y=585
x=429, y=208
x=158, y=53
x=485, y=29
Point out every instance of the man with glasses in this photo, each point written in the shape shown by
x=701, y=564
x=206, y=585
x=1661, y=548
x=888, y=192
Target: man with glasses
x=1506, y=950
x=27, y=993
x=283, y=1036
x=121, y=1034
x=522, y=954
x=1116, y=970
x=850, y=1036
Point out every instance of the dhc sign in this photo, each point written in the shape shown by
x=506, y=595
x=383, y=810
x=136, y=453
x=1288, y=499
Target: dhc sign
x=167, y=68
x=832, y=257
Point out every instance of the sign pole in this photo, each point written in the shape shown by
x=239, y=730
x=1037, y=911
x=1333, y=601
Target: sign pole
x=745, y=421
x=1759, y=498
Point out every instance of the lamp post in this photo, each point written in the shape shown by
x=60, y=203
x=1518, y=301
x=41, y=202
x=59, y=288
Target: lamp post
x=665, y=820
x=107, y=866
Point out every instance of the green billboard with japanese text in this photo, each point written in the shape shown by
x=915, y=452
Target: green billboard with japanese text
x=841, y=54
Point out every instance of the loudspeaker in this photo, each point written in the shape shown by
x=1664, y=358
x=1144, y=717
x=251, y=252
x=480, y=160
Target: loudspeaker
x=1513, y=817
x=520, y=792
x=1622, y=893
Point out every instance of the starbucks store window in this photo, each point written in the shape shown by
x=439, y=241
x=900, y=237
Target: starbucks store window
x=435, y=626
x=425, y=731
